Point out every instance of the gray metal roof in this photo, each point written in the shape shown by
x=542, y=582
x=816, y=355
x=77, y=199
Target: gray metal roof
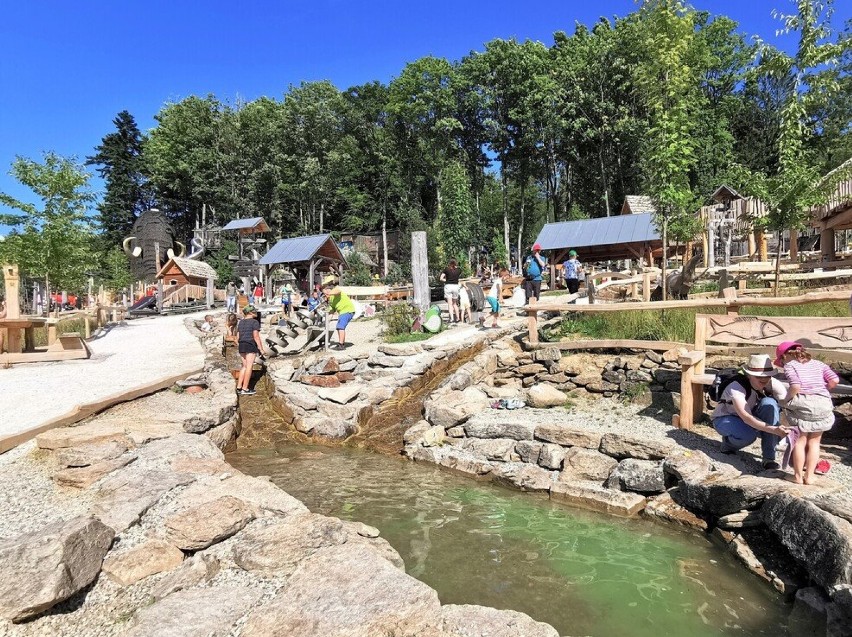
x=603, y=231
x=242, y=224
x=297, y=249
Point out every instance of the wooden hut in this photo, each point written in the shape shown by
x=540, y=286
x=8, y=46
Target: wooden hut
x=179, y=271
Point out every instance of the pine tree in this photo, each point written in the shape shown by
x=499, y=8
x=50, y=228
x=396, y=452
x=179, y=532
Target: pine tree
x=121, y=167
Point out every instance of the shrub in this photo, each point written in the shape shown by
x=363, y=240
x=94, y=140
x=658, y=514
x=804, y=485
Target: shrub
x=398, y=318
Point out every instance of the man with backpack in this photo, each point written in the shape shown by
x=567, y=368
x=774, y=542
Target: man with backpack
x=534, y=266
x=748, y=409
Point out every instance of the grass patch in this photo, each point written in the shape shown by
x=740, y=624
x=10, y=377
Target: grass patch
x=669, y=325
x=65, y=326
x=412, y=337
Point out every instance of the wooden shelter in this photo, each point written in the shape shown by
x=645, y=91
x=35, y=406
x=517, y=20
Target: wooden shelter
x=731, y=218
x=836, y=213
x=181, y=271
x=312, y=254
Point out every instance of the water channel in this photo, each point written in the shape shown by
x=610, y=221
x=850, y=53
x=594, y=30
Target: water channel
x=479, y=543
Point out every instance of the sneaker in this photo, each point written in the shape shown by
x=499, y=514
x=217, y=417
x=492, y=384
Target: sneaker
x=771, y=464
x=823, y=467
x=248, y=392
x=726, y=447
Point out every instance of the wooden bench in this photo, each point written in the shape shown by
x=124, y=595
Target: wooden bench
x=818, y=334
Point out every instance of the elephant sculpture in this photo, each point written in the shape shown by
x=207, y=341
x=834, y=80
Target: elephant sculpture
x=678, y=282
x=151, y=244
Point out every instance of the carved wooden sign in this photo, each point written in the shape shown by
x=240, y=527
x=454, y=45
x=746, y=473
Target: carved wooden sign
x=817, y=332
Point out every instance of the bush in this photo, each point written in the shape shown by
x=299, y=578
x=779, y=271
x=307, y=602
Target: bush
x=398, y=319
x=395, y=276
x=356, y=272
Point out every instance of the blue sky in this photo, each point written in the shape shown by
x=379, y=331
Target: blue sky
x=67, y=68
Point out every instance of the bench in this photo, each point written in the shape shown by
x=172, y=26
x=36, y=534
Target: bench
x=749, y=334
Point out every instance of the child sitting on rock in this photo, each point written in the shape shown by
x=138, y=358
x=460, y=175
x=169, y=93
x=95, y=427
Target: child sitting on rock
x=808, y=405
x=208, y=324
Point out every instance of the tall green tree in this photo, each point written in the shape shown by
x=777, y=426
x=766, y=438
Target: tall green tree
x=669, y=85
x=119, y=162
x=52, y=240
x=797, y=185
x=454, y=221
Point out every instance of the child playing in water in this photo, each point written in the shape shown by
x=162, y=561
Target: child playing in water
x=464, y=305
x=809, y=406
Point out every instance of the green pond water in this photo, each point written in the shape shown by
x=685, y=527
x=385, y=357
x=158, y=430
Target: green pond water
x=478, y=543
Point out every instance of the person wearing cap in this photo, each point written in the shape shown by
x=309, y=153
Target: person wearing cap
x=747, y=413
x=339, y=302
x=534, y=266
x=249, y=346
x=572, y=270
x=809, y=410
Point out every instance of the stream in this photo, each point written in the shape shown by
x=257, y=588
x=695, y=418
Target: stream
x=479, y=543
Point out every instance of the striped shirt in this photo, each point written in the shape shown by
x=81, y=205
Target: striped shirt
x=811, y=377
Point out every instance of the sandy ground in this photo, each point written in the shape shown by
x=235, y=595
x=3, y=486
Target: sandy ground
x=126, y=356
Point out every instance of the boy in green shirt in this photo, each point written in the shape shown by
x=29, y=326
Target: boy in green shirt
x=341, y=304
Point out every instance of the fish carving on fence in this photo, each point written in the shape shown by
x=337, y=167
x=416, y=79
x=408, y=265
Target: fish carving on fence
x=842, y=333
x=749, y=328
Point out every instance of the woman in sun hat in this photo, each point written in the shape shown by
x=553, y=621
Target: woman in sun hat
x=748, y=409
x=808, y=405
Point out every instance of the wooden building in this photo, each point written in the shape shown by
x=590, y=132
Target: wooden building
x=836, y=213
x=180, y=271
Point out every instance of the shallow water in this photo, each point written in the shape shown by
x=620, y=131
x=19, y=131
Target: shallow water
x=478, y=543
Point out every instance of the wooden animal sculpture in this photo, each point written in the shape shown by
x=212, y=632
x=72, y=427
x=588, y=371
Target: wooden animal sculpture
x=678, y=282
x=151, y=244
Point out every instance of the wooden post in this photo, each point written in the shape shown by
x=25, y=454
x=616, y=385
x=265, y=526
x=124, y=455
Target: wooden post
x=420, y=270
x=705, y=245
x=590, y=289
x=762, y=250
x=532, y=325
x=209, y=293
x=794, y=245
x=634, y=287
x=826, y=244
x=13, y=282
x=159, y=295
x=752, y=245
x=646, y=287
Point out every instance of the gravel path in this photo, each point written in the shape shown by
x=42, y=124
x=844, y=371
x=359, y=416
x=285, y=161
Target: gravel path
x=129, y=355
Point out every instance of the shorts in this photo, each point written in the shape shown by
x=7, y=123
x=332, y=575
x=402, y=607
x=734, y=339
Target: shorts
x=810, y=413
x=533, y=289
x=343, y=320
x=451, y=291
x=248, y=348
x=573, y=285
x=494, y=303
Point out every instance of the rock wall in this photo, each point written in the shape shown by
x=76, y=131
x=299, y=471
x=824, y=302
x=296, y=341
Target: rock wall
x=174, y=541
x=786, y=534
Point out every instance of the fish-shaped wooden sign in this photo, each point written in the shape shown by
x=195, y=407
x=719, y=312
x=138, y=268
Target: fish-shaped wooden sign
x=749, y=328
x=842, y=333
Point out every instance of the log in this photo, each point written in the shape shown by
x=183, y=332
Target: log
x=420, y=270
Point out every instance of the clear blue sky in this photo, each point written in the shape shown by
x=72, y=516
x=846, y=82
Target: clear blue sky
x=67, y=68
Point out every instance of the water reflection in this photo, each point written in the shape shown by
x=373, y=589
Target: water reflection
x=477, y=543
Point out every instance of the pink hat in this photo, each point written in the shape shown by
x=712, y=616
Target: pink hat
x=782, y=349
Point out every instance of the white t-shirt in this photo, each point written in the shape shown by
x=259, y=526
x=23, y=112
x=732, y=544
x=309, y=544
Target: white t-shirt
x=464, y=297
x=206, y=327
x=496, y=288
x=726, y=407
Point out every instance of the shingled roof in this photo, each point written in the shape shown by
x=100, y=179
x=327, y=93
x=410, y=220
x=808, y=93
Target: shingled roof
x=190, y=267
x=637, y=205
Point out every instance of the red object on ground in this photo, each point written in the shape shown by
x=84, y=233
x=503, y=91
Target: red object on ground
x=823, y=467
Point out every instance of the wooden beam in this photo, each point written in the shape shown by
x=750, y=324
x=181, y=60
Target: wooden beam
x=691, y=358
x=532, y=324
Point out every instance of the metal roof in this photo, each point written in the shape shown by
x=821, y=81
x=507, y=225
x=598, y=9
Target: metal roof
x=604, y=231
x=244, y=224
x=299, y=249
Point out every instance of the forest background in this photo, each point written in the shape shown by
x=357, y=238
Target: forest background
x=480, y=152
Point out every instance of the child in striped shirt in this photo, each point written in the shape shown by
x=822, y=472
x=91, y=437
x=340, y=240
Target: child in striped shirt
x=808, y=404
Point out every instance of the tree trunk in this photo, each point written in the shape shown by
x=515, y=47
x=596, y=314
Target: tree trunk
x=322, y=217
x=603, y=180
x=665, y=253
x=521, y=224
x=506, y=217
x=385, y=237
x=778, y=263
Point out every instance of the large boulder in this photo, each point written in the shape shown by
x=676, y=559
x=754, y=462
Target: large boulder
x=347, y=591
x=498, y=449
x=124, y=498
x=91, y=453
x=93, y=433
x=261, y=494
x=204, y=525
x=545, y=395
x=42, y=568
x=818, y=540
x=723, y=495
x=481, y=621
x=551, y=456
x=621, y=446
x=568, y=436
x=586, y=464
x=149, y=558
x=497, y=424
x=663, y=507
x=523, y=476
x=82, y=477
x=591, y=495
x=687, y=465
x=463, y=461
x=529, y=450
x=195, y=612
x=643, y=476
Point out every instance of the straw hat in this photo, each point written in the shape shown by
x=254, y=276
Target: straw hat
x=759, y=365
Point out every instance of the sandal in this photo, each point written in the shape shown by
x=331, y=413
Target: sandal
x=823, y=467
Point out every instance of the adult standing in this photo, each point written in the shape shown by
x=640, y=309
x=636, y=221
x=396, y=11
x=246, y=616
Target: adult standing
x=249, y=346
x=534, y=266
x=231, y=297
x=340, y=303
x=258, y=292
x=748, y=409
x=572, y=270
x=450, y=277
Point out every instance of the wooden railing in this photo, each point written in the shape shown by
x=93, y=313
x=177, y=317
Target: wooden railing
x=840, y=198
x=185, y=292
x=743, y=212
